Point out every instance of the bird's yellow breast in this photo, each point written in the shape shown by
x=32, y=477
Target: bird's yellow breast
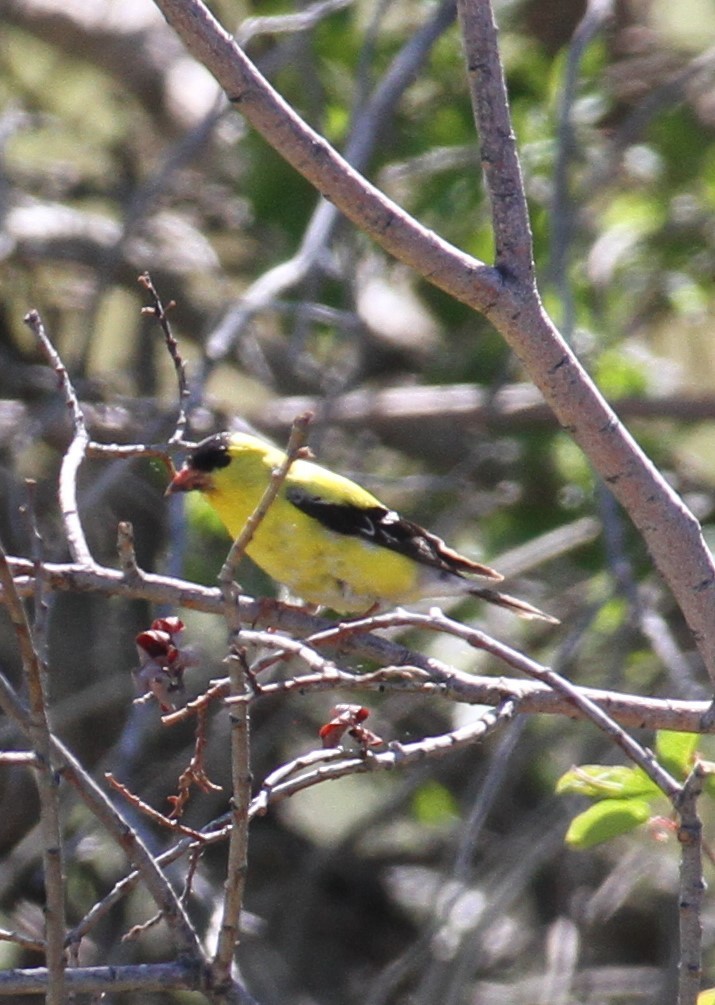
x=317, y=564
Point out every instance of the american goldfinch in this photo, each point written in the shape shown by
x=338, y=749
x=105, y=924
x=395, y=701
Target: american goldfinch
x=327, y=539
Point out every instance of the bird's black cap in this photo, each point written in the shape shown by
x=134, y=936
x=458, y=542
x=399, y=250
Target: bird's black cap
x=211, y=454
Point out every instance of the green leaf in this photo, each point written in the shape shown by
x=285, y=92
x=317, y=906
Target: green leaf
x=604, y=781
x=707, y=997
x=606, y=820
x=433, y=804
x=675, y=751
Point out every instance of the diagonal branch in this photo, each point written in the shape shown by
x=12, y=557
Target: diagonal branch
x=37, y=729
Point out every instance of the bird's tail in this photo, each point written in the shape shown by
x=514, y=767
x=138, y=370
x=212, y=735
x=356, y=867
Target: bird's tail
x=513, y=604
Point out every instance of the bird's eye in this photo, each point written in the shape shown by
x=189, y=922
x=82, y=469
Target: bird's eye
x=211, y=454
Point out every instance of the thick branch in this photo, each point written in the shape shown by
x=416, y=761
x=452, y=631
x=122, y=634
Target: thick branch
x=146, y=978
x=499, y=157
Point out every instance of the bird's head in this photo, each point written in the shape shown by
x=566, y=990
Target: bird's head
x=211, y=455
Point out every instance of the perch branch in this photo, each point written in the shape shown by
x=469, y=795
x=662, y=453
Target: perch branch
x=534, y=698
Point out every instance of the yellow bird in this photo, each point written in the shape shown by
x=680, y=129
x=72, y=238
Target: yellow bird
x=327, y=539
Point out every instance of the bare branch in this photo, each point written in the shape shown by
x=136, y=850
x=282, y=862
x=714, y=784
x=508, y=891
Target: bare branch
x=280, y=24
x=296, y=444
x=692, y=887
x=24, y=941
x=437, y=621
x=149, y=811
x=147, y=978
x=240, y=722
x=160, y=312
x=407, y=416
x=398, y=755
x=12, y=757
x=77, y=449
x=237, y=866
x=595, y=17
x=500, y=161
x=41, y=604
x=127, y=554
x=37, y=729
x=535, y=698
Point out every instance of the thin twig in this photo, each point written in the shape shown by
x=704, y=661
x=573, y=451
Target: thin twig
x=596, y=15
x=293, y=777
x=281, y=24
x=437, y=621
x=161, y=313
x=24, y=941
x=127, y=554
x=295, y=446
x=402, y=678
x=41, y=604
x=240, y=729
x=38, y=731
x=123, y=451
x=656, y=101
x=138, y=854
x=407, y=416
x=692, y=887
x=237, y=865
x=282, y=647
x=76, y=452
x=239, y=715
x=218, y=690
x=136, y=931
x=149, y=811
x=499, y=157
x=399, y=755
x=12, y=758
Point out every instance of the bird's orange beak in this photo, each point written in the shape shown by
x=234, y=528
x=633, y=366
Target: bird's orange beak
x=188, y=479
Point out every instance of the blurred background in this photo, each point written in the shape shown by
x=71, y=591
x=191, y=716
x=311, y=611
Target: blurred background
x=451, y=882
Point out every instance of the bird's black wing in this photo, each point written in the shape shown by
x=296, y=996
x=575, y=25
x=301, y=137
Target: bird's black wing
x=387, y=529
